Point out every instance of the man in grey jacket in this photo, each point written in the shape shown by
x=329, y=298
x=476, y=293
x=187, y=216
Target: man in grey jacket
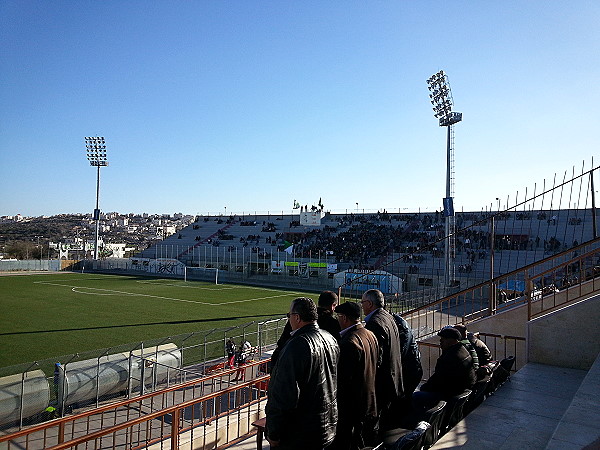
x=301, y=407
x=388, y=379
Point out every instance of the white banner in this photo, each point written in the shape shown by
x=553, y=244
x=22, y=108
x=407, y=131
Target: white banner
x=311, y=218
x=277, y=266
x=159, y=265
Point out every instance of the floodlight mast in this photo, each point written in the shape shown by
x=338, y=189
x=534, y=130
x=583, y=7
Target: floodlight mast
x=441, y=99
x=96, y=155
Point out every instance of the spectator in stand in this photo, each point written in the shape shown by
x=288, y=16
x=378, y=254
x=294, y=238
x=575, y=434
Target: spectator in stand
x=301, y=408
x=230, y=349
x=328, y=300
x=285, y=335
x=465, y=342
x=240, y=359
x=412, y=371
x=484, y=355
x=453, y=373
x=359, y=356
x=388, y=379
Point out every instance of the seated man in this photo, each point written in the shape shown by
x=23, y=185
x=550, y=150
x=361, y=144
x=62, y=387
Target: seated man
x=484, y=356
x=453, y=374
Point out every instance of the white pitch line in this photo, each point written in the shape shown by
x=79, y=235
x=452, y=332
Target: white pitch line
x=61, y=279
x=76, y=289
x=252, y=299
x=223, y=288
x=186, y=287
x=111, y=292
x=217, y=289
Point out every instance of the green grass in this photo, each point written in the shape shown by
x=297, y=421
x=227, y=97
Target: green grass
x=43, y=316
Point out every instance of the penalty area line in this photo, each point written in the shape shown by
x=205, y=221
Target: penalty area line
x=183, y=285
x=134, y=294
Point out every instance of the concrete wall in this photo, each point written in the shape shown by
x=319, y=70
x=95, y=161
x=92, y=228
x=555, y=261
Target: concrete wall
x=569, y=337
x=27, y=264
x=511, y=322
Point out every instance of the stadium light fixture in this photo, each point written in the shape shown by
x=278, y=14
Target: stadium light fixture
x=96, y=155
x=442, y=102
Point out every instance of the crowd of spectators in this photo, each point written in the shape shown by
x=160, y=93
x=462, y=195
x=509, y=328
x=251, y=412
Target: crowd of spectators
x=365, y=241
x=269, y=227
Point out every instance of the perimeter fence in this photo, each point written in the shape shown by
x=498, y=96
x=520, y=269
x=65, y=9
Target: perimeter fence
x=29, y=265
x=38, y=391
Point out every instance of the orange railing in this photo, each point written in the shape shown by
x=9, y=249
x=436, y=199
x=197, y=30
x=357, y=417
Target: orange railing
x=160, y=418
x=545, y=286
x=572, y=280
x=169, y=420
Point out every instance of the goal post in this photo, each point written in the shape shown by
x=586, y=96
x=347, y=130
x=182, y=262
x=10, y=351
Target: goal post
x=201, y=274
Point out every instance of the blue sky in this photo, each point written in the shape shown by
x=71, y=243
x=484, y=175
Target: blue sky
x=251, y=105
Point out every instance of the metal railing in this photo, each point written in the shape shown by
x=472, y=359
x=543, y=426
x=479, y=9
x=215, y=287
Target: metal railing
x=202, y=413
x=210, y=412
x=500, y=346
x=67, y=384
x=550, y=219
x=544, y=286
x=572, y=280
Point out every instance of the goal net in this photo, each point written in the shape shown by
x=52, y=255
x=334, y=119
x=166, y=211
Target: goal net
x=210, y=274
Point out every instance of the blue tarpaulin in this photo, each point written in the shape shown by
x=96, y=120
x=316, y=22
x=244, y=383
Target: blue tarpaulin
x=513, y=285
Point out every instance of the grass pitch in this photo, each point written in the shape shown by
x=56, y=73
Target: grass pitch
x=47, y=315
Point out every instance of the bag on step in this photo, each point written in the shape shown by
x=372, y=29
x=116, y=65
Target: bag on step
x=500, y=374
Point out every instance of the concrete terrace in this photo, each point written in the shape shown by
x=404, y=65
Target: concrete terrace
x=540, y=407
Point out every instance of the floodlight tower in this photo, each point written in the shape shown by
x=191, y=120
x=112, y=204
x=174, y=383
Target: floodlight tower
x=96, y=155
x=441, y=99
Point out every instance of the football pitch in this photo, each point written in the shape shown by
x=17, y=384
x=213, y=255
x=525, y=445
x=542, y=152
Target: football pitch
x=47, y=315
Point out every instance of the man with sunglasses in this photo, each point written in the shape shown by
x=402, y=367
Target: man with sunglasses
x=301, y=407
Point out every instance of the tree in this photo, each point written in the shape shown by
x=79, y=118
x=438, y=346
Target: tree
x=21, y=250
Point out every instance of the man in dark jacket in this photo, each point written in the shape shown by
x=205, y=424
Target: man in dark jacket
x=359, y=355
x=230, y=348
x=301, y=407
x=453, y=374
x=388, y=379
x=412, y=370
x=328, y=300
x=484, y=356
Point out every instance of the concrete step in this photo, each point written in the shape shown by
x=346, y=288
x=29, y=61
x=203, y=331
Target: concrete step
x=523, y=413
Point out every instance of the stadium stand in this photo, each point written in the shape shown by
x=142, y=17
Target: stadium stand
x=546, y=263
x=410, y=246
